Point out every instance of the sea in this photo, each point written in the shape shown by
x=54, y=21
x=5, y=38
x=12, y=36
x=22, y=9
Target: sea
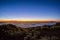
x=28, y=24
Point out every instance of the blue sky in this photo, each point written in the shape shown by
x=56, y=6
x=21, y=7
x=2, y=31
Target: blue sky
x=30, y=9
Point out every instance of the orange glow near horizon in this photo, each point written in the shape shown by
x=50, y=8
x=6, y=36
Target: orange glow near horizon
x=26, y=20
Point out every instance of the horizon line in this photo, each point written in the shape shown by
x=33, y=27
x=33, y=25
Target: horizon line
x=29, y=21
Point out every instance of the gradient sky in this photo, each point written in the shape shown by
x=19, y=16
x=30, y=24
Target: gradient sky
x=30, y=9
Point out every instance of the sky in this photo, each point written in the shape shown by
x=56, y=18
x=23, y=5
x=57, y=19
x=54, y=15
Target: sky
x=30, y=9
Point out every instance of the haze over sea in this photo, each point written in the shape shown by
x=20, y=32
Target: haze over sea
x=28, y=24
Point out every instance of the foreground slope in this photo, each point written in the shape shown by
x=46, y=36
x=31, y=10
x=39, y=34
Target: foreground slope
x=45, y=32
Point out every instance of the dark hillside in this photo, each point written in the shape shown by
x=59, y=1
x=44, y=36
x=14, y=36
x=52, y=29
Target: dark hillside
x=45, y=32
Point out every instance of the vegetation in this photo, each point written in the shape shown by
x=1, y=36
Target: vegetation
x=45, y=32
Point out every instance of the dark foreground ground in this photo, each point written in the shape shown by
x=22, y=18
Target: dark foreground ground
x=45, y=32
